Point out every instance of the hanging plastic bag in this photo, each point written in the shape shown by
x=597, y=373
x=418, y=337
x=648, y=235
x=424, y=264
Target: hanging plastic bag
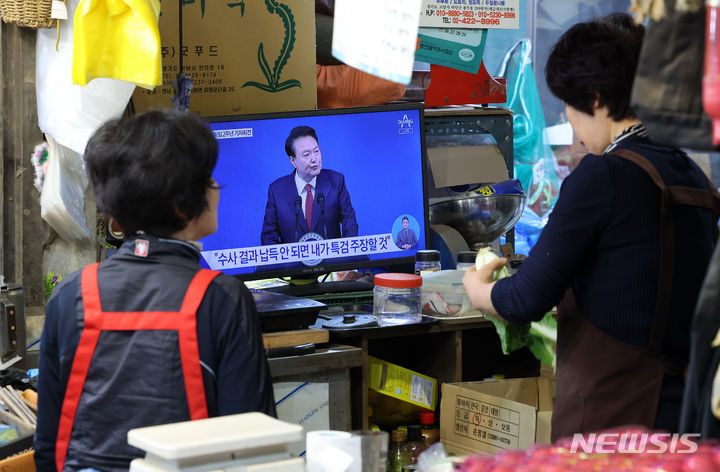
x=667, y=90
x=118, y=39
x=527, y=231
x=62, y=198
x=534, y=161
x=66, y=112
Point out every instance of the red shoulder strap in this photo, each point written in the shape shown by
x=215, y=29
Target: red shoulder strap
x=189, y=351
x=95, y=321
x=81, y=362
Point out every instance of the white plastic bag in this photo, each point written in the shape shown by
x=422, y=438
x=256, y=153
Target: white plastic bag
x=66, y=112
x=434, y=459
x=62, y=198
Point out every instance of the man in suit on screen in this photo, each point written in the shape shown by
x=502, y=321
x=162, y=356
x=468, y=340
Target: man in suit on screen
x=308, y=200
x=406, y=238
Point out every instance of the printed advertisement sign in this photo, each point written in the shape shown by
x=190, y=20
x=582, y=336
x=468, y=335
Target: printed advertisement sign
x=498, y=14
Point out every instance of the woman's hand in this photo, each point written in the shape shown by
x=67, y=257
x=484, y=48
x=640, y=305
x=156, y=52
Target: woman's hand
x=478, y=285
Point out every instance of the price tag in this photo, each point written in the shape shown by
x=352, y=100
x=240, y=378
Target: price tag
x=58, y=10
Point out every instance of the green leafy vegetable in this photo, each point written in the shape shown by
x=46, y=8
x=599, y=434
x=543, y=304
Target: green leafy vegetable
x=540, y=337
x=512, y=336
x=484, y=256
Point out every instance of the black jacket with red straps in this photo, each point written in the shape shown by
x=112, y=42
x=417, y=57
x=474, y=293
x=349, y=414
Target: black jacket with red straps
x=135, y=378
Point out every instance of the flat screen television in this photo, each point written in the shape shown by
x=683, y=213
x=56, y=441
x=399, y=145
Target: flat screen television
x=367, y=207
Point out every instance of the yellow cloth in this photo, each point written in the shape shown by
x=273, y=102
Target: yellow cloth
x=117, y=39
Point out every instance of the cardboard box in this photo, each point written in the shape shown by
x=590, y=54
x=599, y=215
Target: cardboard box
x=397, y=395
x=495, y=415
x=18, y=455
x=402, y=384
x=242, y=57
x=24, y=462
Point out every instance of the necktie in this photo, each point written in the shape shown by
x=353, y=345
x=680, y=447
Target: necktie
x=309, y=206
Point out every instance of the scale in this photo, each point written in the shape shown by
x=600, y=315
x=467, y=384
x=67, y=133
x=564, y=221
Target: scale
x=248, y=442
x=479, y=219
x=468, y=148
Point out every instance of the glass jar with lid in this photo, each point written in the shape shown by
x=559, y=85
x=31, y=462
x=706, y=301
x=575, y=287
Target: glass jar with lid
x=465, y=260
x=427, y=261
x=397, y=298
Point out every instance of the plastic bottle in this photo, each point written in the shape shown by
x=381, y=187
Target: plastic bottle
x=430, y=433
x=427, y=261
x=397, y=457
x=465, y=260
x=414, y=444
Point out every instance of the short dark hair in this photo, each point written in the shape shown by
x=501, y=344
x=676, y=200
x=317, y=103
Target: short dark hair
x=150, y=172
x=597, y=60
x=295, y=133
x=405, y=218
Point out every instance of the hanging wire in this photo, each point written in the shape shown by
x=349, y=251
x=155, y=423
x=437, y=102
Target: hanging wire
x=183, y=83
x=180, y=32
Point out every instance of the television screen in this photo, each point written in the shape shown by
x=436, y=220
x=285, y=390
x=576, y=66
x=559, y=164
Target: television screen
x=318, y=191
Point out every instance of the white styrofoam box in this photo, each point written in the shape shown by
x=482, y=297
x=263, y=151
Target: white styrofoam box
x=303, y=403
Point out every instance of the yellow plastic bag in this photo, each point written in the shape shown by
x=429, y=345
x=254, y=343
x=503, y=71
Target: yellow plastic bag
x=117, y=39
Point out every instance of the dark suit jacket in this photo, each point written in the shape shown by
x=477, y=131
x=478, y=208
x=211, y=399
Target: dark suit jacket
x=408, y=238
x=284, y=220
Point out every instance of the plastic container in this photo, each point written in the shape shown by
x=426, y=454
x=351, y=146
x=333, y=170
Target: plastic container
x=427, y=261
x=396, y=299
x=443, y=295
x=465, y=260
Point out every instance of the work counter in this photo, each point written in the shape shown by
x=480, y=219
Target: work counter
x=449, y=351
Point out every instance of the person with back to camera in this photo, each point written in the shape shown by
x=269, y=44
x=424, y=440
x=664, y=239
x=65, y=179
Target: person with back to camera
x=406, y=238
x=147, y=337
x=624, y=251
x=309, y=199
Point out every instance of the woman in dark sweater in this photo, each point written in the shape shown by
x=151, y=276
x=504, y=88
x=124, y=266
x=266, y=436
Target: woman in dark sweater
x=623, y=216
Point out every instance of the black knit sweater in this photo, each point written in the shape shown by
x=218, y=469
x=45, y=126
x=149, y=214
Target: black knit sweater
x=603, y=238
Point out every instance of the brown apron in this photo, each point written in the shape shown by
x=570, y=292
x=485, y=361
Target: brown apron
x=603, y=382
